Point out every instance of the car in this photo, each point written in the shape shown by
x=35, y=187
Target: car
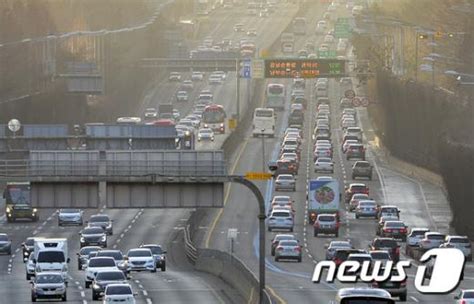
x=354, y=202
x=288, y=249
x=239, y=27
x=27, y=247
x=30, y=267
x=355, y=151
x=187, y=85
x=83, y=255
x=396, y=289
x=174, y=76
x=381, y=223
x=328, y=39
x=362, y=169
x=222, y=74
x=5, y=244
x=280, y=237
x=324, y=164
x=158, y=253
x=431, y=240
x=361, y=258
x=465, y=296
x=264, y=13
x=151, y=113
x=414, y=237
x=321, y=152
x=93, y=235
x=342, y=254
x=215, y=79
x=102, y=220
x=354, y=131
x=116, y=255
x=345, y=81
x=355, y=188
x=70, y=216
x=281, y=219
x=334, y=245
x=205, y=134
x=48, y=285
x=366, y=208
x=252, y=32
x=460, y=242
x=103, y=279
x=285, y=182
x=119, y=293
x=387, y=244
x=140, y=259
x=394, y=229
x=97, y=264
x=182, y=96
x=197, y=76
x=345, y=103
x=363, y=295
x=388, y=210
x=380, y=255
x=326, y=224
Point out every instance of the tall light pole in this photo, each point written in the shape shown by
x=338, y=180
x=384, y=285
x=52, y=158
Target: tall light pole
x=418, y=36
x=263, y=150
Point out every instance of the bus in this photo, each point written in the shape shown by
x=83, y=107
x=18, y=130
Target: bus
x=214, y=117
x=276, y=96
x=299, y=26
x=264, y=122
x=18, y=203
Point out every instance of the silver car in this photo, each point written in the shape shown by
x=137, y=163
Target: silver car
x=334, y=245
x=48, y=285
x=460, y=242
x=432, y=240
x=285, y=182
x=159, y=254
x=366, y=208
x=281, y=219
x=205, y=134
x=30, y=267
x=140, y=259
x=289, y=250
x=324, y=164
x=70, y=216
x=102, y=220
x=5, y=244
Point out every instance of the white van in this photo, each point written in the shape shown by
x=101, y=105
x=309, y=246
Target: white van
x=264, y=122
x=359, y=295
x=51, y=255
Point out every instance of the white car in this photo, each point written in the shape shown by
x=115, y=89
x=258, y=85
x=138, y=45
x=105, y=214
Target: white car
x=416, y=235
x=182, y=96
x=324, y=164
x=465, y=296
x=432, y=240
x=151, y=113
x=187, y=85
x=460, y=242
x=197, y=76
x=140, y=259
x=205, y=134
x=215, y=79
x=321, y=26
x=97, y=264
x=285, y=182
x=174, y=76
x=329, y=39
x=119, y=293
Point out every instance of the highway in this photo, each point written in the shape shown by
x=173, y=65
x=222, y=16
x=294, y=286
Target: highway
x=422, y=204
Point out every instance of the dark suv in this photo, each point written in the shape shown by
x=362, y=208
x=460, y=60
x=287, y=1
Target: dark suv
x=388, y=244
x=362, y=169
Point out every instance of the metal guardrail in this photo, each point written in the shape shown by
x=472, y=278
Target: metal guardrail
x=114, y=168
x=189, y=248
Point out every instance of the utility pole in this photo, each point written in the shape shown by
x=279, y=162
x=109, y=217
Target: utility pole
x=237, y=76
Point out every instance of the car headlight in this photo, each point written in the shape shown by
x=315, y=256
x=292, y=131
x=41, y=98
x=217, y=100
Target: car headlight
x=206, y=125
x=95, y=286
x=35, y=210
x=104, y=238
x=222, y=125
x=82, y=239
x=8, y=210
x=38, y=268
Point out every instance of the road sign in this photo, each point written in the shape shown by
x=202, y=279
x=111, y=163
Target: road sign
x=258, y=68
x=258, y=175
x=246, y=69
x=341, y=20
x=365, y=101
x=349, y=94
x=356, y=101
x=327, y=54
x=14, y=125
x=342, y=28
x=304, y=68
x=232, y=123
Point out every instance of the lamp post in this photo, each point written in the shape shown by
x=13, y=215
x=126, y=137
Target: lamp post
x=418, y=36
x=263, y=150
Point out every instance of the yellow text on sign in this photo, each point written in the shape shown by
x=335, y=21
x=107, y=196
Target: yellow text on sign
x=258, y=175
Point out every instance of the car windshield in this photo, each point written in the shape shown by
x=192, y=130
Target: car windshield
x=70, y=211
x=110, y=276
x=93, y=230
x=281, y=214
x=326, y=218
x=29, y=242
x=418, y=233
x=460, y=240
x=362, y=164
x=365, y=300
x=468, y=295
x=324, y=160
x=99, y=218
x=395, y=224
x=285, y=177
x=87, y=250
x=139, y=253
x=155, y=249
x=205, y=131
x=51, y=257
x=117, y=255
x=3, y=238
x=360, y=196
x=101, y=262
x=389, y=210
x=367, y=204
x=380, y=255
x=386, y=243
x=436, y=236
x=339, y=245
x=288, y=243
x=358, y=188
x=118, y=290
x=49, y=278
x=284, y=237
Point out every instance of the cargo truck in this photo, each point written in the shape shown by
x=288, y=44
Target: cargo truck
x=323, y=197
x=18, y=202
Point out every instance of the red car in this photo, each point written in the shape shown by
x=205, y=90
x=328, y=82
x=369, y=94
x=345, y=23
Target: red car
x=355, y=188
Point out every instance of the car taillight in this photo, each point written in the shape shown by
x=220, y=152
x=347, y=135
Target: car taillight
x=463, y=302
x=375, y=284
x=316, y=225
x=403, y=283
x=403, y=230
x=337, y=261
x=387, y=230
x=298, y=249
x=397, y=250
x=279, y=248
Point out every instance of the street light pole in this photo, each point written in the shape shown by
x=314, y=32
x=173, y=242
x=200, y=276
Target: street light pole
x=416, y=57
x=263, y=150
x=237, y=76
x=434, y=61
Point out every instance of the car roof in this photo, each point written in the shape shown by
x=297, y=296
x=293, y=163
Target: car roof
x=357, y=185
x=362, y=291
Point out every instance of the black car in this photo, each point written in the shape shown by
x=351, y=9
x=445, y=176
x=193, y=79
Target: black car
x=84, y=254
x=93, y=236
x=158, y=254
x=396, y=289
x=388, y=244
x=104, y=278
x=102, y=220
x=27, y=248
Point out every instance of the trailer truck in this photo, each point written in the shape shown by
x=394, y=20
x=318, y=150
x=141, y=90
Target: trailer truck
x=323, y=197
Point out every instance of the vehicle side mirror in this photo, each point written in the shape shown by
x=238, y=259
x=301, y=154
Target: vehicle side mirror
x=68, y=260
x=135, y=294
x=25, y=260
x=23, y=244
x=164, y=251
x=272, y=165
x=125, y=258
x=32, y=282
x=456, y=297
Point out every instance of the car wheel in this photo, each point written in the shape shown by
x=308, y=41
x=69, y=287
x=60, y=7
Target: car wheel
x=64, y=298
x=153, y=270
x=163, y=267
x=95, y=296
x=403, y=297
x=357, y=216
x=79, y=266
x=59, y=224
x=336, y=234
x=277, y=259
x=299, y=260
x=273, y=252
x=28, y=276
x=315, y=233
x=33, y=298
x=88, y=284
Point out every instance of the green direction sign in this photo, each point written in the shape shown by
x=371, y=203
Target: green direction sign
x=342, y=28
x=342, y=20
x=327, y=54
x=304, y=68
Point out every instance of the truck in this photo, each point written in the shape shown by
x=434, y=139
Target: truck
x=18, y=202
x=51, y=255
x=165, y=111
x=324, y=196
